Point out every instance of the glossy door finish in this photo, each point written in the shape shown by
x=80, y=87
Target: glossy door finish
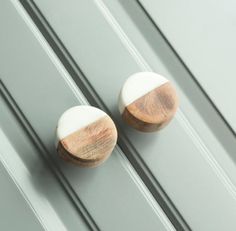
x=190, y=161
x=35, y=90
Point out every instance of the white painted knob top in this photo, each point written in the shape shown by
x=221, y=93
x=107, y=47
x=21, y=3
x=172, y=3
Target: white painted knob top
x=147, y=101
x=85, y=135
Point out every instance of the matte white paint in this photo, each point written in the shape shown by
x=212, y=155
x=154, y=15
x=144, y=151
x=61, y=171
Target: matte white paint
x=137, y=85
x=76, y=118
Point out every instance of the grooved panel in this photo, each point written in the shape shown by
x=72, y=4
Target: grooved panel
x=14, y=207
x=26, y=178
x=110, y=197
x=203, y=33
x=193, y=159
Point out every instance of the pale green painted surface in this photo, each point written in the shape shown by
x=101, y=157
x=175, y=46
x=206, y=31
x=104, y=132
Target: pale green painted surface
x=15, y=213
x=192, y=158
x=203, y=33
x=39, y=188
x=113, y=194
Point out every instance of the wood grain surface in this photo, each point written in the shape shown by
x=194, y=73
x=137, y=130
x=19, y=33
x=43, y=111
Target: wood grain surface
x=152, y=111
x=91, y=145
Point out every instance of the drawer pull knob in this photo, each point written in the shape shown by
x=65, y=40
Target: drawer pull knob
x=85, y=135
x=147, y=101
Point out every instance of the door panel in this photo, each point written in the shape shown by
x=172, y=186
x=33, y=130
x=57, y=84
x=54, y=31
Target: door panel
x=110, y=197
x=203, y=33
x=14, y=207
x=191, y=160
x=31, y=177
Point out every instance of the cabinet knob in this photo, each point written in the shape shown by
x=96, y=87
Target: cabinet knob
x=147, y=101
x=85, y=135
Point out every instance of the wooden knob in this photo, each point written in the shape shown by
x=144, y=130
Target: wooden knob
x=147, y=101
x=85, y=135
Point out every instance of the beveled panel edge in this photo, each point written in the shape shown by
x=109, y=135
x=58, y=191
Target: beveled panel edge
x=199, y=144
x=231, y=129
x=77, y=89
x=46, y=157
x=139, y=168
x=133, y=155
x=180, y=116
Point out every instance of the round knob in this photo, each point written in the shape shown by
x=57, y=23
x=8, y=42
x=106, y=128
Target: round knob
x=147, y=101
x=85, y=135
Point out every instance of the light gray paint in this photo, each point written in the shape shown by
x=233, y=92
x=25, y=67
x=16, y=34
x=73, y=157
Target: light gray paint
x=23, y=161
x=113, y=194
x=15, y=213
x=204, y=34
x=192, y=157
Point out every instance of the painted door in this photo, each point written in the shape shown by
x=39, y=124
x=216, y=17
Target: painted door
x=57, y=54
